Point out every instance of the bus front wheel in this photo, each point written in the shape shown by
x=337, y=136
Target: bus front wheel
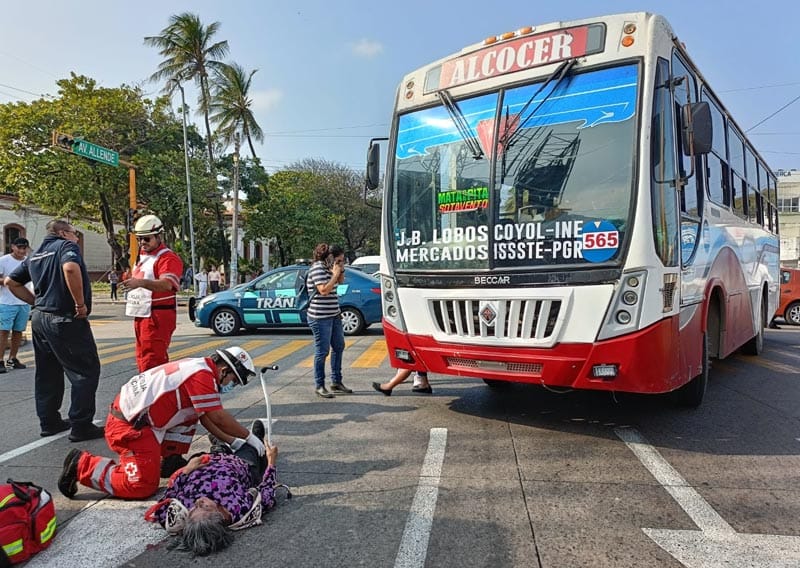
x=691, y=394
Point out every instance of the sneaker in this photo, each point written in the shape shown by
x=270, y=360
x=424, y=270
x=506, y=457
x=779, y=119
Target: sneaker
x=84, y=433
x=15, y=364
x=68, y=481
x=3, y=369
x=257, y=428
x=324, y=393
x=339, y=387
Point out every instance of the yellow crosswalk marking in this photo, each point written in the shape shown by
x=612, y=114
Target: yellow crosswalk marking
x=373, y=356
x=254, y=344
x=205, y=347
x=309, y=363
x=771, y=365
x=106, y=350
x=274, y=355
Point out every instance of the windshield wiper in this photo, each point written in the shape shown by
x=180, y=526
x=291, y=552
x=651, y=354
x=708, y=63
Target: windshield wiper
x=461, y=123
x=510, y=135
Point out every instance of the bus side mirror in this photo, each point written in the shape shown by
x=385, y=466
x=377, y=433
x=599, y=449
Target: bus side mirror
x=696, y=134
x=373, y=165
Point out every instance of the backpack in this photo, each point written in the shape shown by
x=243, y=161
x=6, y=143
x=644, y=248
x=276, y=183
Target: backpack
x=27, y=521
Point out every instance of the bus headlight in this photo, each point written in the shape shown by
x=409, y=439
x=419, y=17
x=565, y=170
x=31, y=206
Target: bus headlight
x=623, y=317
x=630, y=297
x=392, y=311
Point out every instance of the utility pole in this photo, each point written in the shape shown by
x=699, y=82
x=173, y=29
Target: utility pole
x=234, y=277
x=188, y=187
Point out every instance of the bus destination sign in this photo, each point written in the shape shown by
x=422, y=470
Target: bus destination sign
x=512, y=56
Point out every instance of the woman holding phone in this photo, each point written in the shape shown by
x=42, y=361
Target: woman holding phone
x=324, y=316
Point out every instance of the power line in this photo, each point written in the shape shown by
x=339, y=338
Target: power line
x=759, y=87
x=774, y=113
x=281, y=133
x=25, y=91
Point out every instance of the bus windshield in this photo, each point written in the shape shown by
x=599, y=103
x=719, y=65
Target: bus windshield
x=553, y=186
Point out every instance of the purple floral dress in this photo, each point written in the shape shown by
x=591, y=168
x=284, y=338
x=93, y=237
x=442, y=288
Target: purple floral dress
x=224, y=480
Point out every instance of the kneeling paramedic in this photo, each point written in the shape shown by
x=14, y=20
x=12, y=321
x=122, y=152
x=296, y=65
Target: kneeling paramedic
x=155, y=415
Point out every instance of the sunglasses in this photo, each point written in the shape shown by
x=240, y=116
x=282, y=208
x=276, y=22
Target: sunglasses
x=146, y=238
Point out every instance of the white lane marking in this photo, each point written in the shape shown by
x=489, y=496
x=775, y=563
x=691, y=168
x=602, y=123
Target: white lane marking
x=414, y=544
x=703, y=514
x=86, y=539
x=717, y=543
x=16, y=452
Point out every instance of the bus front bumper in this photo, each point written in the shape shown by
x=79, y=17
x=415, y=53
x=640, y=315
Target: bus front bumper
x=647, y=361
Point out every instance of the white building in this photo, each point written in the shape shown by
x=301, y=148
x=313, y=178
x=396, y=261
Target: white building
x=31, y=224
x=789, y=216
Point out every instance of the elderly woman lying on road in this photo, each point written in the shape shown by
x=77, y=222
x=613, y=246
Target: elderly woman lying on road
x=216, y=493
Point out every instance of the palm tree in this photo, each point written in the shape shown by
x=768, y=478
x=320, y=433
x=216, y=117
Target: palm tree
x=230, y=105
x=189, y=55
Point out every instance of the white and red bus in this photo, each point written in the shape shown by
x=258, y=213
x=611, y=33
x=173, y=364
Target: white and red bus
x=571, y=205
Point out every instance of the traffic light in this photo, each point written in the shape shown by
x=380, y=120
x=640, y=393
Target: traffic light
x=63, y=141
x=132, y=214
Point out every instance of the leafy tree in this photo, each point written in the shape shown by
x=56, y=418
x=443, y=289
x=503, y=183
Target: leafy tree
x=145, y=132
x=189, y=54
x=293, y=213
x=230, y=105
x=342, y=189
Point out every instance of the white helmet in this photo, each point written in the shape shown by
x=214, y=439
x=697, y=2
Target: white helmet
x=148, y=225
x=239, y=361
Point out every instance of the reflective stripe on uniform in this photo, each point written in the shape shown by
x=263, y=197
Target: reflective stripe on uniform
x=102, y=470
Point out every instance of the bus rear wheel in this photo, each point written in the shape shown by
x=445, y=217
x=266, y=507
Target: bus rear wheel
x=756, y=344
x=691, y=394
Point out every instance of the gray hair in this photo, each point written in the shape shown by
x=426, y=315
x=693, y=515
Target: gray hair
x=205, y=534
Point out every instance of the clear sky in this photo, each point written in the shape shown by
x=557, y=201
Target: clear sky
x=328, y=70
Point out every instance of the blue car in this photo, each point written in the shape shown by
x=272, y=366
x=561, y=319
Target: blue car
x=272, y=300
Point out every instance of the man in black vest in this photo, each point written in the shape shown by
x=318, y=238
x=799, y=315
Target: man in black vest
x=62, y=339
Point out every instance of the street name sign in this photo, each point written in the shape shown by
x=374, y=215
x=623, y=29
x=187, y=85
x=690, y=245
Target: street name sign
x=95, y=152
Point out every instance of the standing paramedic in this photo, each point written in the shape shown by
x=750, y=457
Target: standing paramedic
x=151, y=293
x=62, y=338
x=14, y=311
x=154, y=407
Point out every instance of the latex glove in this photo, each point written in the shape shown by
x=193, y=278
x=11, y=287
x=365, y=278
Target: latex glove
x=254, y=441
x=237, y=443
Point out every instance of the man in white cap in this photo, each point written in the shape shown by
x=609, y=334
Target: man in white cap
x=155, y=416
x=151, y=293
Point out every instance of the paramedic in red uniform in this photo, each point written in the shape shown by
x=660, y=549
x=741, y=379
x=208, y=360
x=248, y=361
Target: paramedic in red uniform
x=151, y=290
x=162, y=404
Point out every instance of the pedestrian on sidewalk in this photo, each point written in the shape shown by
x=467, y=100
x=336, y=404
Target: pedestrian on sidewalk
x=14, y=312
x=214, y=277
x=62, y=337
x=113, y=279
x=202, y=283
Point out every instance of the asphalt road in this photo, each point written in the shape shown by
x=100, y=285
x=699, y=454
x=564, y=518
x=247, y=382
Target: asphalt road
x=468, y=476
